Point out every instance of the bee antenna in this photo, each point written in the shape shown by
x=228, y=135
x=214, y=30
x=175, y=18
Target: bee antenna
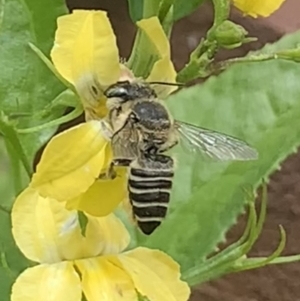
x=167, y=84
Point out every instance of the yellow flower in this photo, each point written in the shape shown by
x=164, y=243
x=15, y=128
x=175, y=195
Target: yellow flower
x=70, y=167
x=85, y=53
x=71, y=264
x=255, y=8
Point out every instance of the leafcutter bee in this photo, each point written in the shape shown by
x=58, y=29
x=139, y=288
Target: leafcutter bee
x=143, y=131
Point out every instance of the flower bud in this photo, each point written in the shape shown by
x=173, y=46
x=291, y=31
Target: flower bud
x=230, y=35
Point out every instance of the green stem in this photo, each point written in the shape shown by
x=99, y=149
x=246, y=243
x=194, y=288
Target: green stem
x=150, y=8
x=224, y=262
x=281, y=259
x=143, y=54
x=199, y=61
x=11, y=135
x=142, y=58
x=2, y=6
x=263, y=210
x=5, y=210
x=165, y=7
x=50, y=66
x=261, y=262
x=6, y=267
x=254, y=233
x=168, y=22
x=219, y=258
x=15, y=167
x=251, y=59
x=203, y=55
x=221, y=12
x=135, y=61
x=72, y=115
x=248, y=59
x=216, y=265
x=200, y=64
x=67, y=98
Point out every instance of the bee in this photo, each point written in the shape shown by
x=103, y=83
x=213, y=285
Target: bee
x=143, y=131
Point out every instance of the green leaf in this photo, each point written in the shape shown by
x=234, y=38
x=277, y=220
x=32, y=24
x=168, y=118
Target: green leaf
x=143, y=9
x=183, y=8
x=135, y=9
x=2, y=3
x=12, y=262
x=26, y=87
x=6, y=184
x=83, y=221
x=26, y=84
x=258, y=103
x=148, y=8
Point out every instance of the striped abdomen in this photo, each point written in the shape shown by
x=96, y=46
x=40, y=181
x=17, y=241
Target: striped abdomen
x=149, y=185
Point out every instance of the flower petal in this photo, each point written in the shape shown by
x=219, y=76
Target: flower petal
x=155, y=274
x=102, y=197
x=86, y=54
x=47, y=282
x=72, y=161
x=163, y=71
x=105, y=235
x=85, y=45
x=154, y=31
x=95, y=111
x=44, y=230
x=256, y=8
x=102, y=280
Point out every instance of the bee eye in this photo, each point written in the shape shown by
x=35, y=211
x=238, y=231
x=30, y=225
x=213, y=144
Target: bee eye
x=119, y=92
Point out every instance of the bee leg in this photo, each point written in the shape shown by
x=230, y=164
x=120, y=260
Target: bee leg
x=165, y=147
x=109, y=174
x=122, y=162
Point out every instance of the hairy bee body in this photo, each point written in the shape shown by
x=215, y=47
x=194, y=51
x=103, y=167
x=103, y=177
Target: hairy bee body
x=143, y=131
x=151, y=175
x=154, y=125
x=145, y=136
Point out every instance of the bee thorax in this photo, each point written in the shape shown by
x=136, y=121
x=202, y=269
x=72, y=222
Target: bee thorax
x=152, y=115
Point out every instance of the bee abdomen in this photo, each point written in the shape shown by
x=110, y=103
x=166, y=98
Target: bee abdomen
x=149, y=218
x=149, y=194
x=148, y=174
x=149, y=209
x=144, y=185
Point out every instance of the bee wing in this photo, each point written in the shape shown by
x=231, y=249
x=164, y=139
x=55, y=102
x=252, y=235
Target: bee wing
x=214, y=144
x=125, y=143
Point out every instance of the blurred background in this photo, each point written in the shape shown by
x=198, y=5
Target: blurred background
x=276, y=283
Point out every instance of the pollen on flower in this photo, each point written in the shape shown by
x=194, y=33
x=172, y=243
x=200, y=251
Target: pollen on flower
x=126, y=74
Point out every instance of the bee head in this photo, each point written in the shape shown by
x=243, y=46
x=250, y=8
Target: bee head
x=128, y=91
